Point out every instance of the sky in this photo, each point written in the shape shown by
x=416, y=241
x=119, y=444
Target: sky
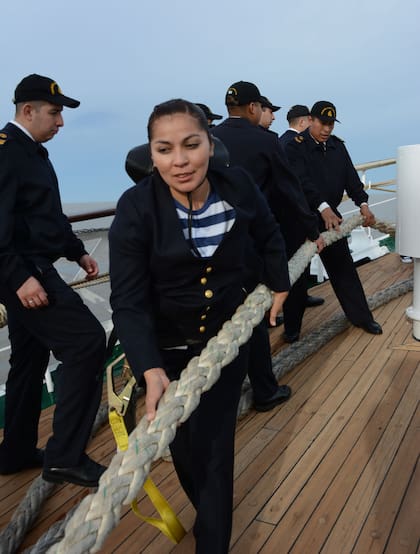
x=122, y=58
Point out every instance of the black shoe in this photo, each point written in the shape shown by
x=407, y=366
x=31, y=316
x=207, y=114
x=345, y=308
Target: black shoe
x=281, y=395
x=312, y=301
x=32, y=462
x=86, y=474
x=294, y=337
x=372, y=327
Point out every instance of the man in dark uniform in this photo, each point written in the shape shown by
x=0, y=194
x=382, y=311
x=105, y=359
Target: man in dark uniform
x=258, y=151
x=325, y=169
x=210, y=116
x=298, y=120
x=267, y=116
x=44, y=313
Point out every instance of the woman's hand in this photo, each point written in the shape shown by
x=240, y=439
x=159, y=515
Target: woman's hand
x=156, y=384
x=277, y=307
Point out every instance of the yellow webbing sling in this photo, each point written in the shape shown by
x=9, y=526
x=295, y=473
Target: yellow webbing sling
x=169, y=524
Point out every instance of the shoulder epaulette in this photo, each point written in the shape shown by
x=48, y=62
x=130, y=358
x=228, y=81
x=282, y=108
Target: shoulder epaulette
x=3, y=138
x=299, y=139
x=338, y=138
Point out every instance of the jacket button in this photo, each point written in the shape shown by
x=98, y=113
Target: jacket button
x=203, y=280
x=202, y=329
x=208, y=293
x=209, y=269
x=203, y=317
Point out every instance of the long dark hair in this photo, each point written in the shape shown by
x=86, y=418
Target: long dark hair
x=178, y=105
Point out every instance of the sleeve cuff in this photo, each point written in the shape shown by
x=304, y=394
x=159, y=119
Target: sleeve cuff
x=323, y=206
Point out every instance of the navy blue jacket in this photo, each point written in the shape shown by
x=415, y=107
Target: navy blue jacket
x=162, y=295
x=286, y=137
x=257, y=151
x=325, y=172
x=33, y=227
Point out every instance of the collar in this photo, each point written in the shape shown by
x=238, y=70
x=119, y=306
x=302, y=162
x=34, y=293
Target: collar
x=23, y=129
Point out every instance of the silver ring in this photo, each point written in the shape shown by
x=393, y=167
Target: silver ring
x=30, y=301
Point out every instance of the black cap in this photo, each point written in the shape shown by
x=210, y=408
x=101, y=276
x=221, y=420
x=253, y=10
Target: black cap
x=297, y=111
x=325, y=111
x=265, y=103
x=208, y=113
x=36, y=87
x=242, y=93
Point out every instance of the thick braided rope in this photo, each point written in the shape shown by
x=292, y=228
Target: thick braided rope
x=3, y=316
x=25, y=515
x=99, y=513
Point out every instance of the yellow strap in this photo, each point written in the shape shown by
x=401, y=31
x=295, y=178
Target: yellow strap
x=169, y=525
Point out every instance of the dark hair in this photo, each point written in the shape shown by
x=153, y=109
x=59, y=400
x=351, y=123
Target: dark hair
x=178, y=105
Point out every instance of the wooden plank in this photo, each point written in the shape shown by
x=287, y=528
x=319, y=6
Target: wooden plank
x=352, y=517
x=405, y=533
x=341, y=406
x=334, y=478
x=378, y=526
x=254, y=538
x=273, y=477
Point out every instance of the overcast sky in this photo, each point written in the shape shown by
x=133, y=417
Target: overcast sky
x=121, y=58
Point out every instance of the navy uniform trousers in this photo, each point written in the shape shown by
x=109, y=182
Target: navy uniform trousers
x=260, y=366
x=344, y=280
x=68, y=329
x=203, y=450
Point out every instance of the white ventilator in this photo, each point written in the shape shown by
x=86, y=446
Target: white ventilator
x=408, y=220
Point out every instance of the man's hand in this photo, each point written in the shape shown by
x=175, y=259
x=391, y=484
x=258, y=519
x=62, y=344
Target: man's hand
x=156, y=384
x=87, y=263
x=331, y=220
x=32, y=294
x=277, y=307
x=320, y=244
x=368, y=217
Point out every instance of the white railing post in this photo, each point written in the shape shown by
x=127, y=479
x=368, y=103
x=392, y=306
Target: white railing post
x=408, y=223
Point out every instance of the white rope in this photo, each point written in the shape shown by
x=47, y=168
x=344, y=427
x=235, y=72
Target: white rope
x=99, y=513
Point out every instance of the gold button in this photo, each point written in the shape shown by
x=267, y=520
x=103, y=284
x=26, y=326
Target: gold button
x=209, y=269
x=203, y=281
x=203, y=317
x=208, y=293
x=207, y=308
x=202, y=329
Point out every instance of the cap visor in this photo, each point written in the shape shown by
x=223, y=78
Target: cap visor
x=215, y=116
x=69, y=102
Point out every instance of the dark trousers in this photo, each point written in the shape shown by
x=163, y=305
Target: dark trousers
x=203, y=451
x=295, y=305
x=260, y=367
x=68, y=329
x=346, y=284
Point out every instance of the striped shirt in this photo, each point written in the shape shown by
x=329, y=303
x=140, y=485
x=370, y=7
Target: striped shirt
x=209, y=224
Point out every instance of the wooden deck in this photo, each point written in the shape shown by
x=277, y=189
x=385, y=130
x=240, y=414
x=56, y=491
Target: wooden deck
x=334, y=470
